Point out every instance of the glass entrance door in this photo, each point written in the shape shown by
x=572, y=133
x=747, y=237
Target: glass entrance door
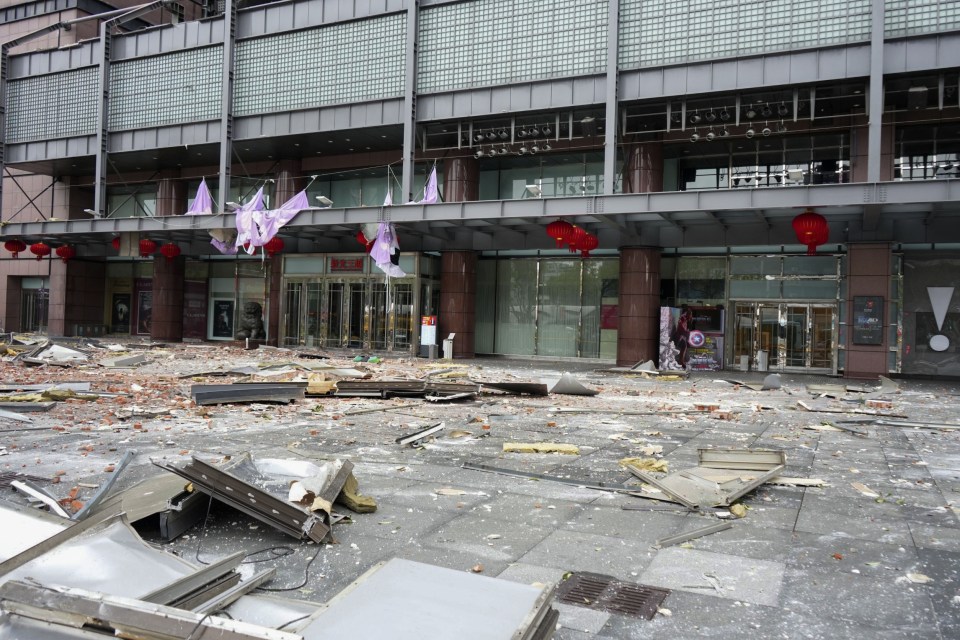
x=349, y=313
x=785, y=336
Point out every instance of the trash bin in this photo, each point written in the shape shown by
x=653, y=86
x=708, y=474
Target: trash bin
x=762, y=356
x=448, y=347
x=744, y=363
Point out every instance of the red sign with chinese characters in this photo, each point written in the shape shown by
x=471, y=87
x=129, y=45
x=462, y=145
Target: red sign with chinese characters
x=340, y=265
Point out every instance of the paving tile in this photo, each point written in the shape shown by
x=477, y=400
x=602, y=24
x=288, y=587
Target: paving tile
x=885, y=604
x=643, y=527
x=513, y=507
x=577, y=551
x=734, y=577
x=486, y=537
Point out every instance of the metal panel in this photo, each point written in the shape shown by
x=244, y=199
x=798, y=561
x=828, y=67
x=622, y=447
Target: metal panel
x=25, y=527
x=259, y=21
x=126, y=617
x=99, y=559
x=435, y=602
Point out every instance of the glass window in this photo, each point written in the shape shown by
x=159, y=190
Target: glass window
x=516, y=307
x=558, y=313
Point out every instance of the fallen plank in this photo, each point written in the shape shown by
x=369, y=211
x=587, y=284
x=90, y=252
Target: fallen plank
x=797, y=482
x=29, y=488
x=421, y=434
x=13, y=415
x=916, y=425
x=576, y=482
x=529, y=388
x=803, y=405
x=27, y=406
x=692, y=535
x=282, y=392
x=625, y=412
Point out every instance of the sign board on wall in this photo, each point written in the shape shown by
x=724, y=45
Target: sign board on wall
x=868, y=320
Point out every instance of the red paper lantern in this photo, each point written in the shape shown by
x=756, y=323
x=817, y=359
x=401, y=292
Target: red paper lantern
x=170, y=251
x=40, y=250
x=561, y=231
x=15, y=247
x=811, y=229
x=588, y=244
x=116, y=243
x=66, y=252
x=579, y=233
x=274, y=245
x=147, y=247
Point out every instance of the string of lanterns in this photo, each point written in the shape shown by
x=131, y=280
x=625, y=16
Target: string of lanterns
x=576, y=238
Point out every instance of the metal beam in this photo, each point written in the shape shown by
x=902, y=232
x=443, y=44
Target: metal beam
x=610, y=132
x=410, y=101
x=875, y=98
x=226, y=101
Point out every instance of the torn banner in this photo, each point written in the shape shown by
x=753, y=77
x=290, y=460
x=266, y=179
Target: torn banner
x=386, y=251
x=256, y=226
x=203, y=202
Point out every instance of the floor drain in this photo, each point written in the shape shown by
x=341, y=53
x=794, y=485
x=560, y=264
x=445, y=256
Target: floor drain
x=7, y=477
x=606, y=593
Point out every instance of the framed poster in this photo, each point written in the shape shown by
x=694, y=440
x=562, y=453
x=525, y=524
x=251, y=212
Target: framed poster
x=868, y=320
x=144, y=311
x=222, y=319
x=120, y=313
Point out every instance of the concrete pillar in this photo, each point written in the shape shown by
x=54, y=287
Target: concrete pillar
x=458, y=299
x=639, y=318
x=167, y=320
x=461, y=180
x=171, y=197
x=860, y=153
x=643, y=171
x=868, y=274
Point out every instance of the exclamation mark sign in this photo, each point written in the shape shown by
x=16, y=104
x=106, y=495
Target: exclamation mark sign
x=940, y=301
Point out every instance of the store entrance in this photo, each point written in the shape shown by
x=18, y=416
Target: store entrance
x=781, y=336
x=350, y=313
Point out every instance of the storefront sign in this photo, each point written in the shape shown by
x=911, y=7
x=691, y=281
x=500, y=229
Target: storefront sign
x=428, y=330
x=867, y=320
x=346, y=265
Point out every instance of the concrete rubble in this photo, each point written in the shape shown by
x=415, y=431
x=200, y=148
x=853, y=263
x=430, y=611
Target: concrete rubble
x=837, y=517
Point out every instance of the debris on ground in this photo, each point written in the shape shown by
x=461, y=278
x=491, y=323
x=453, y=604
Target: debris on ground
x=541, y=447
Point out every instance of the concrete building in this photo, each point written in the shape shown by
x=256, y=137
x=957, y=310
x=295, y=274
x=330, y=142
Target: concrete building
x=688, y=137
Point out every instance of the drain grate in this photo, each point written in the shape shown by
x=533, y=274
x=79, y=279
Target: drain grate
x=606, y=593
x=6, y=477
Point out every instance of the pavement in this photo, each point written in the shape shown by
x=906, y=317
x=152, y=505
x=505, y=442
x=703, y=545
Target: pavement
x=873, y=553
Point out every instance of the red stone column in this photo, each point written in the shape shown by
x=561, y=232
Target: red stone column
x=643, y=170
x=458, y=299
x=171, y=197
x=461, y=180
x=273, y=300
x=868, y=274
x=638, y=337
x=167, y=320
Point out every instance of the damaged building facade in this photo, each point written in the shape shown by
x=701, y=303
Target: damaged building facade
x=708, y=148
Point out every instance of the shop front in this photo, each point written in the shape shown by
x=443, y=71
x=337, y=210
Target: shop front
x=345, y=301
